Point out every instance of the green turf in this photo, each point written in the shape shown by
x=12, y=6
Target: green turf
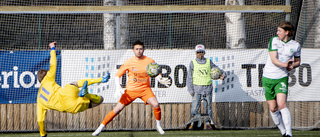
x=176, y=133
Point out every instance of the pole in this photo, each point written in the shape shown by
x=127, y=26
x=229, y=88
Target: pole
x=287, y=14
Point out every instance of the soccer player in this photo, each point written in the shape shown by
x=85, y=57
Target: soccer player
x=199, y=83
x=275, y=75
x=66, y=99
x=138, y=86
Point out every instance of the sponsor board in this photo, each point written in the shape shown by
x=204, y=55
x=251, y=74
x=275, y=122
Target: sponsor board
x=18, y=79
x=244, y=69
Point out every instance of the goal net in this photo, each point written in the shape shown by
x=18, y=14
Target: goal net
x=95, y=37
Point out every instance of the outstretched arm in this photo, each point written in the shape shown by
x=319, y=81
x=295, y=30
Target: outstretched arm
x=53, y=62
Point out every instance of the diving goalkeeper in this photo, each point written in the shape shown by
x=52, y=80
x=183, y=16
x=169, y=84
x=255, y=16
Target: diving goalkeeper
x=67, y=99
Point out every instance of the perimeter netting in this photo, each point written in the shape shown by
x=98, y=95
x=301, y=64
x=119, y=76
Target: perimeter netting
x=91, y=44
x=158, y=31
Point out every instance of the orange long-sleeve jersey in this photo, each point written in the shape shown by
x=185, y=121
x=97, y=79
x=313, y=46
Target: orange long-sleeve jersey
x=138, y=79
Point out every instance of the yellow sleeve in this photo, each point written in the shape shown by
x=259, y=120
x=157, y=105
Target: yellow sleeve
x=51, y=74
x=41, y=115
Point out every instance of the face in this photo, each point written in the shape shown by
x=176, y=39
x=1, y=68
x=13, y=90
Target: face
x=282, y=34
x=200, y=54
x=138, y=51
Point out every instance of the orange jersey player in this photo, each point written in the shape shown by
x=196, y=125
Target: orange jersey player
x=138, y=79
x=138, y=86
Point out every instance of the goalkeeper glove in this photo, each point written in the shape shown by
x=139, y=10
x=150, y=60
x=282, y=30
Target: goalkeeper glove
x=164, y=81
x=119, y=90
x=118, y=93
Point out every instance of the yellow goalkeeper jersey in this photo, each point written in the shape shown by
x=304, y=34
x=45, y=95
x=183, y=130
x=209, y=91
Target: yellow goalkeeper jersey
x=52, y=96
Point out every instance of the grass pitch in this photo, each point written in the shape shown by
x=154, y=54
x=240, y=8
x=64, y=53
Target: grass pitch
x=174, y=133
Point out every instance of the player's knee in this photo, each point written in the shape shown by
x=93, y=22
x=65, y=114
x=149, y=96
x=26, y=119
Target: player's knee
x=92, y=104
x=273, y=110
x=282, y=106
x=156, y=105
x=101, y=100
x=153, y=102
x=118, y=108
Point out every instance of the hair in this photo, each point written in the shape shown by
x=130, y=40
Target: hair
x=41, y=74
x=287, y=26
x=138, y=42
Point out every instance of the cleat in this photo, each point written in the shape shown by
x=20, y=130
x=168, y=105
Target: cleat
x=98, y=130
x=160, y=130
x=209, y=127
x=96, y=133
x=285, y=135
x=105, y=78
x=190, y=127
x=84, y=89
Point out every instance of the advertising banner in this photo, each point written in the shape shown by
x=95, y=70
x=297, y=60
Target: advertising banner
x=244, y=69
x=18, y=79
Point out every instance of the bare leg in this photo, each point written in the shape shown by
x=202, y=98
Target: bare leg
x=157, y=113
x=117, y=109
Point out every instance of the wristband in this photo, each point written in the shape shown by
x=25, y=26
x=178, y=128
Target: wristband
x=53, y=48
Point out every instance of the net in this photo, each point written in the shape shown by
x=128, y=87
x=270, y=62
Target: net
x=158, y=31
x=94, y=42
x=307, y=32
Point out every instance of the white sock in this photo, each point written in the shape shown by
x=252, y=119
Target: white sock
x=98, y=130
x=277, y=119
x=159, y=128
x=158, y=123
x=100, y=127
x=286, y=116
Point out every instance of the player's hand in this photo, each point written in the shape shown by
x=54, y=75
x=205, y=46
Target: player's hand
x=289, y=65
x=118, y=93
x=164, y=81
x=222, y=77
x=52, y=44
x=192, y=94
